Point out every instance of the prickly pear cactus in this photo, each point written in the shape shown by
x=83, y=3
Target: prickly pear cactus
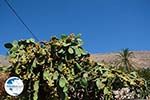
x=60, y=69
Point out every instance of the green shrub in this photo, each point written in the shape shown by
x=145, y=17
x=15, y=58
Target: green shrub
x=145, y=73
x=61, y=69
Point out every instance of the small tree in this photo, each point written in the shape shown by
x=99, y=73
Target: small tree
x=124, y=59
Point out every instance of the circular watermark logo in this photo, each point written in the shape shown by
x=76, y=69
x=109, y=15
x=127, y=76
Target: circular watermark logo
x=14, y=86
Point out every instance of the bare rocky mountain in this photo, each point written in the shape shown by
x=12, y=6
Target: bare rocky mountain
x=141, y=59
x=3, y=61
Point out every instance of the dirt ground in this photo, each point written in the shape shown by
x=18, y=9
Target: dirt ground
x=3, y=77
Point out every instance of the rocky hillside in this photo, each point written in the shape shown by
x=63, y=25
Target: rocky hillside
x=3, y=61
x=141, y=59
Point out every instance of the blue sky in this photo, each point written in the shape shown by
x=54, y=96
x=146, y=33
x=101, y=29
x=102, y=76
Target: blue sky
x=106, y=25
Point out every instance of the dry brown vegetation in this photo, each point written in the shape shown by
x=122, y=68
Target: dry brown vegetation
x=3, y=77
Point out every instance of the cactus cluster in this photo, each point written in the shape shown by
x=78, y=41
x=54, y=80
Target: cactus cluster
x=60, y=69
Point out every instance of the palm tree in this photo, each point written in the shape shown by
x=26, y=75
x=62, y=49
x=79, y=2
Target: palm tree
x=125, y=59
